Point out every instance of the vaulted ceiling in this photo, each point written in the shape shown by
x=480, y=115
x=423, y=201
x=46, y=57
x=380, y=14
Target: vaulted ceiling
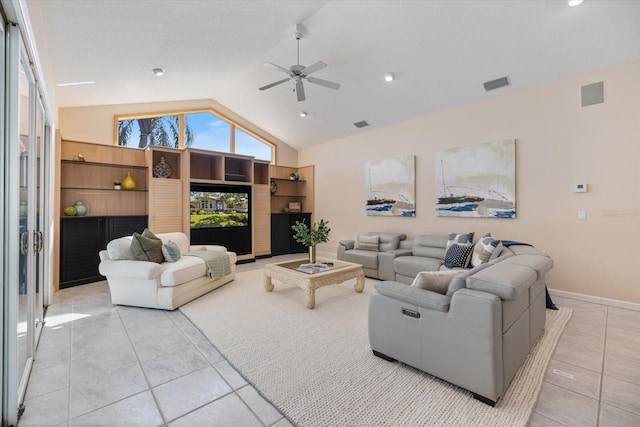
x=440, y=51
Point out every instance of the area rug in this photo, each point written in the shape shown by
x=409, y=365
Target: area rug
x=317, y=368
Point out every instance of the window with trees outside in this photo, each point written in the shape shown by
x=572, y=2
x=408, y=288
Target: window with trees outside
x=198, y=129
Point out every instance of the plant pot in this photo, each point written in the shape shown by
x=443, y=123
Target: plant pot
x=116, y=187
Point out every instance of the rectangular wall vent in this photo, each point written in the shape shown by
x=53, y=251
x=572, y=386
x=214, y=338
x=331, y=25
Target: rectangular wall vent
x=361, y=124
x=496, y=84
x=592, y=94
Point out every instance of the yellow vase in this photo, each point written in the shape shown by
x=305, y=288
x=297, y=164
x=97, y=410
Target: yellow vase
x=128, y=183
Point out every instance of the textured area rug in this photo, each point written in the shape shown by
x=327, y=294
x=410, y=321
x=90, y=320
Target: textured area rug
x=317, y=368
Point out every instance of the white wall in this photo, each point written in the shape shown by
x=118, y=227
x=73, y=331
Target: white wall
x=558, y=143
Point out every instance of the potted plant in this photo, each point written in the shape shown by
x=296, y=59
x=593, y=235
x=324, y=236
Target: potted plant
x=294, y=176
x=310, y=237
x=116, y=184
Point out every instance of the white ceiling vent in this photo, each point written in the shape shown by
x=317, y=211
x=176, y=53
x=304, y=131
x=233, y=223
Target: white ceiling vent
x=496, y=84
x=361, y=124
x=592, y=94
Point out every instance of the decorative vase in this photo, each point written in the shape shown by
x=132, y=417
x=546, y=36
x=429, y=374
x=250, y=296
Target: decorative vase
x=81, y=209
x=128, y=183
x=162, y=169
x=312, y=254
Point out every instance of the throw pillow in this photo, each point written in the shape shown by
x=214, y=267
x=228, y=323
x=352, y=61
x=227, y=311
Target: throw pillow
x=436, y=281
x=486, y=249
x=458, y=255
x=149, y=235
x=462, y=239
x=171, y=251
x=146, y=249
x=366, y=243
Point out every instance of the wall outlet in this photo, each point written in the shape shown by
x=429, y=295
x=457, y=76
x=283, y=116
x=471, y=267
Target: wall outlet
x=580, y=188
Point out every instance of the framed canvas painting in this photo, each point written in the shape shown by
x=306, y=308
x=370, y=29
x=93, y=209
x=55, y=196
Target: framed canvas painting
x=477, y=180
x=391, y=187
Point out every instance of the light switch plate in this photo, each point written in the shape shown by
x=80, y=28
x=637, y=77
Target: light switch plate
x=582, y=214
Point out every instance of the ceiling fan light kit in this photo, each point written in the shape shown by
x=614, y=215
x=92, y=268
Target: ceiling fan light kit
x=297, y=73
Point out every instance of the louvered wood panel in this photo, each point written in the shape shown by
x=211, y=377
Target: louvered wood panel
x=165, y=205
x=261, y=220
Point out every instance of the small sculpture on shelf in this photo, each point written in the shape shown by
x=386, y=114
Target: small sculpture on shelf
x=116, y=184
x=162, y=169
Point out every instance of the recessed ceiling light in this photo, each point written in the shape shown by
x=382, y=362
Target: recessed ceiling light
x=388, y=77
x=158, y=72
x=574, y=2
x=303, y=114
x=75, y=83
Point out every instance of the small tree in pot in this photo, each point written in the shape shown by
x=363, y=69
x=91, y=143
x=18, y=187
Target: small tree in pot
x=310, y=237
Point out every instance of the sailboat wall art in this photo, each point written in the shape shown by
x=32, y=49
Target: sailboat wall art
x=391, y=187
x=477, y=181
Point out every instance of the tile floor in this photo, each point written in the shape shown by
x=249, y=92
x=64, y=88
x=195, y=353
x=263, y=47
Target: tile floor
x=100, y=365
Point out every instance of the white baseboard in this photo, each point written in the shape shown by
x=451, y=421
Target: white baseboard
x=596, y=300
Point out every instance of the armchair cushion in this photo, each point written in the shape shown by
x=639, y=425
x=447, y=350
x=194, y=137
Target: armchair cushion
x=120, y=248
x=436, y=281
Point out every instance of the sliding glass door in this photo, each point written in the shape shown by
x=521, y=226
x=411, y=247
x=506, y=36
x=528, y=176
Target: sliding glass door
x=25, y=177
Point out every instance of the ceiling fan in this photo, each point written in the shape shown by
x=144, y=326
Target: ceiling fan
x=298, y=73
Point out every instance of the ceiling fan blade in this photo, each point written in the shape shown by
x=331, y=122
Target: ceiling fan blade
x=314, y=67
x=277, y=67
x=300, y=91
x=325, y=83
x=274, y=84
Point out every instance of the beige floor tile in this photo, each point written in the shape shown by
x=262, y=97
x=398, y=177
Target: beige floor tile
x=137, y=410
x=566, y=407
x=621, y=394
x=624, y=319
x=227, y=411
x=623, y=343
x=621, y=368
x=539, y=420
x=610, y=416
x=574, y=378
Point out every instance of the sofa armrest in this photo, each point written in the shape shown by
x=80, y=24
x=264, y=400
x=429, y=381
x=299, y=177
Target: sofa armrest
x=385, y=263
x=144, y=270
x=348, y=244
x=419, y=297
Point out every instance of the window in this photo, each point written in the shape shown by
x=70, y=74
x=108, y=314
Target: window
x=251, y=146
x=204, y=130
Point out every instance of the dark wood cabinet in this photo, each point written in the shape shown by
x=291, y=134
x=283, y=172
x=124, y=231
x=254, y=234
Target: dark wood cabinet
x=82, y=238
x=282, y=235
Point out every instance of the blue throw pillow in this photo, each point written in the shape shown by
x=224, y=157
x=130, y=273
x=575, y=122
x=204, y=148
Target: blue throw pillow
x=458, y=255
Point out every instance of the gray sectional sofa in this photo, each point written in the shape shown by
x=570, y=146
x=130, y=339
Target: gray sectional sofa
x=478, y=333
x=377, y=264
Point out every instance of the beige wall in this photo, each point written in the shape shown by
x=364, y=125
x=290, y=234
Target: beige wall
x=95, y=124
x=558, y=143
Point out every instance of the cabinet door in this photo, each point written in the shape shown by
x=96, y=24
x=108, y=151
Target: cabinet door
x=81, y=241
x=261, y=218
x=121, y=226
x=280, y=234
x=165, y=205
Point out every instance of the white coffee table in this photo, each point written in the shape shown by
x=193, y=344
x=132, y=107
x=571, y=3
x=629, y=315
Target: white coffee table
x=312, y=279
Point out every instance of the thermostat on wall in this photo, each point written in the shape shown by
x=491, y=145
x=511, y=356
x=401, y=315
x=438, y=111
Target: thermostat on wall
x=579, y=188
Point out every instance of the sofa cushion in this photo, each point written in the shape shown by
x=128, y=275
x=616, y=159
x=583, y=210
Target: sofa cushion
x=462, y=238
x=436, y=281
x=171, y=251
x=410, y=266
x=485, y=250
x=368, y=259
x=185, y=269
x=503, y=279
x=366, y=243
x=388, y=241
x=146, y=248
x=430, y=246
x=540, y=263
x=120, y=248
x=458, y=255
